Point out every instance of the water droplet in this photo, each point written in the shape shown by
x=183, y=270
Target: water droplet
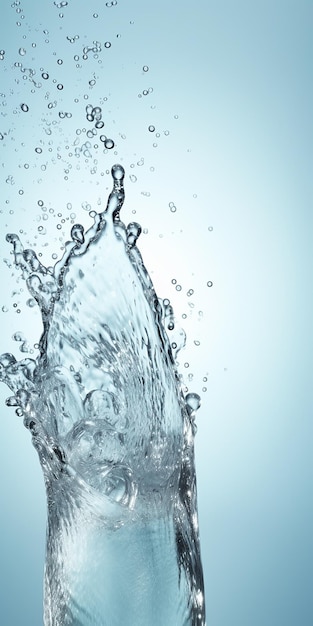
x=210, y=228
x=77, y=233
x=11, y=401
x=151, y=128
x=107, y=44
x=109, y=144
x=178, y=287
x=145, y=68
x=133, y=231
x=193, y=401
x=60, y=86
x=22, y=52
x=118, y=172
x=209, y=283
x=24, y=107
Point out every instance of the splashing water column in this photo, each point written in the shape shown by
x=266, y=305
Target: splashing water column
x=114, y=434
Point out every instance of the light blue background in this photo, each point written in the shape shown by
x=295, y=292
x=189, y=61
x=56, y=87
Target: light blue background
x=238, y=75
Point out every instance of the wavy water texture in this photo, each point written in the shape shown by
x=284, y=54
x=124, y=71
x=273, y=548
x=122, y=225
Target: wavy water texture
x=114, y=434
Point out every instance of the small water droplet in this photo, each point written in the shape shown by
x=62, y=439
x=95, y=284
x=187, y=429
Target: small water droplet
x=109, y=144
x=193, y=401
x=77, y=233
x=118, y=172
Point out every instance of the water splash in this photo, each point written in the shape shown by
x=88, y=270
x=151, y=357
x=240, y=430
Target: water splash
x=114, y=433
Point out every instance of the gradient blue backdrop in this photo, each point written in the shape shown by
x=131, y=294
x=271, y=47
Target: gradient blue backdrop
x=232, y=83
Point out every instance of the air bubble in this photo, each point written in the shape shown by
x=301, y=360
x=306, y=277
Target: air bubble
x=145, y=68
x=24, y=107
x=178, y=287
x=107, y=44
x=210, y=228
x=60, y=86
x=45, y=76
x=22, y=52
x=151, y=128
x=209, y=283
x=190, y=292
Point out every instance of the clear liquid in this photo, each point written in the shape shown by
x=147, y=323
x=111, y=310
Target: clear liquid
x=102, y=400
x=114, y=434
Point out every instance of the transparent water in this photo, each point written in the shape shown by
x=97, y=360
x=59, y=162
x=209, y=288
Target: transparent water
x=114, y=433
x=103, y=400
